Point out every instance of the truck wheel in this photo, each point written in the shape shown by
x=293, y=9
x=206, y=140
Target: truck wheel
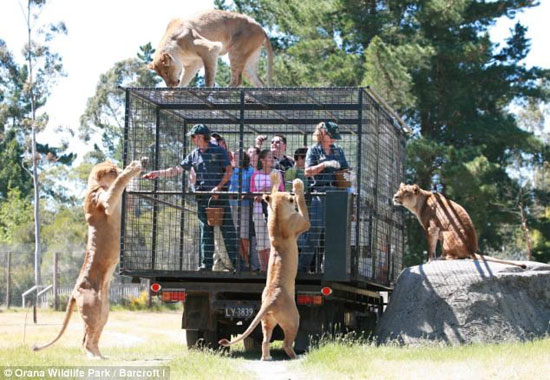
x=210, y=339
x=251, y=344
x=302, y=342
x=192, y=336
x=201, y=339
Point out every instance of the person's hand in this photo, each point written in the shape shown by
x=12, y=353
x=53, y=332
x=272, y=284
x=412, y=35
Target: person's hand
x=144, y=161
x=260, y=140
x=215, y=189
x=332, y=164
x=151, y=175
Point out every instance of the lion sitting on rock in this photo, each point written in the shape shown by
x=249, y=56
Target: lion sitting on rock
x=284, y=224
x=102, y=207
x=443, y=220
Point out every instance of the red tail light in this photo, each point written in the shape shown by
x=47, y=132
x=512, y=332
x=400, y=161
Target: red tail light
x=309, y=299
x=155, y=287
x=173, y=295
x=326, y=291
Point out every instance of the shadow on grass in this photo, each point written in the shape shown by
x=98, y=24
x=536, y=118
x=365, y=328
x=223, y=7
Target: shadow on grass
x=277, y=354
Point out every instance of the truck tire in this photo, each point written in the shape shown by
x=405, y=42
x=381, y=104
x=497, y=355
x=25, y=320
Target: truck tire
x=191, y=337
x=302, y=342
x=202, y=339
x=209, y=339
x=251, y=344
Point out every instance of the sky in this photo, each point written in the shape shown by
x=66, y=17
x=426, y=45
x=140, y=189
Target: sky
x=102, y=32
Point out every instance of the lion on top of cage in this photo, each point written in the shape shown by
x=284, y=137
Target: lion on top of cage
x=444, y=220
x=188, y=45
x=285, y=224
x=102, y=207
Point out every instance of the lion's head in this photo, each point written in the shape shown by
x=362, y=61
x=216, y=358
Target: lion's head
x=166, y=66
x=103, y=174
x=406, y=195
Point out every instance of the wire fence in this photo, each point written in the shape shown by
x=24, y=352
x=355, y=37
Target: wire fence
x=118, y=294
x=17, y=276
x=167, y=226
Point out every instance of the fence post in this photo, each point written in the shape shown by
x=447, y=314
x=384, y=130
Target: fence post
x=8, y=280
x=55, y=295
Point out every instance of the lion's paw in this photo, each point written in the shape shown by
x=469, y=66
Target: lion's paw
x=298, y=186
x=134, y=168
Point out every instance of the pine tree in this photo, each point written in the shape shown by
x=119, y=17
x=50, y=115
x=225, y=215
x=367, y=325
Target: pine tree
x=434, y=61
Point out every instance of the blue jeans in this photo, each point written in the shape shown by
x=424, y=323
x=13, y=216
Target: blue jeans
x=207, y=231
x=311, y=239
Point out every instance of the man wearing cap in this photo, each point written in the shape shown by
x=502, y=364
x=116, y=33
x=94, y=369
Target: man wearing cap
x=323, y=159
x=213, y=171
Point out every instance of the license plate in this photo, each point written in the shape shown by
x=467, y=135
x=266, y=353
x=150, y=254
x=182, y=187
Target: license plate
x=239, y=311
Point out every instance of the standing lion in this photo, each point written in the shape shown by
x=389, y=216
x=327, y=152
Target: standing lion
x=102, y=207
x=285, y=225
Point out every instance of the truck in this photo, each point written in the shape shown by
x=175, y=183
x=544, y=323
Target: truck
x=360, y=248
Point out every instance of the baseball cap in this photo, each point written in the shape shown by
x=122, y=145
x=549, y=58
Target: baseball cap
x=332, y=129
x=199, y=129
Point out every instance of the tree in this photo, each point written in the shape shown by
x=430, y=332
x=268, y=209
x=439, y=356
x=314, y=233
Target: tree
x=43, y=66
x=433, y=61
x=12, y=173
x=106, y=109
x=534, y=204
x=15, y=218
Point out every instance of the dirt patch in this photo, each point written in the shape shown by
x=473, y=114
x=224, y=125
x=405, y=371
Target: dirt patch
x=274, y=370
x=123, y=329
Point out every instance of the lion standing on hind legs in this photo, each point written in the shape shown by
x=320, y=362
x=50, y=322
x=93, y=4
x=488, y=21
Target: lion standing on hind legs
x=284, y=224
x=446, y=221
x=102, y=207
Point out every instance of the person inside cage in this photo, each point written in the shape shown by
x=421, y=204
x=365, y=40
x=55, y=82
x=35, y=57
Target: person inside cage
x=281, y=161
x=240, y=183
x=261, y=183
x=297, y=171
x=213, y=171
x=217, y=139
x=254, y=151
x=323, y=160
x=221, y=259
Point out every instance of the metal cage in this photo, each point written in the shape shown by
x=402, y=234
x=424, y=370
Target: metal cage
x=160, y=231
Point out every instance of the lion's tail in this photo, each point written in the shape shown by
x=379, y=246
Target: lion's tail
x=269, y=49
x=68, y=313
x=495, y=260
x=265, y=307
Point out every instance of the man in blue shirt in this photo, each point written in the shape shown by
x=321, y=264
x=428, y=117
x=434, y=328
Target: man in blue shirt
x=213, y=171
x=323, y=160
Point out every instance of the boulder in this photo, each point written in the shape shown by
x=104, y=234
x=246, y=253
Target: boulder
x=466, y=301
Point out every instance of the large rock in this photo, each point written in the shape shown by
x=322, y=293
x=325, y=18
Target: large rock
x=465, y=301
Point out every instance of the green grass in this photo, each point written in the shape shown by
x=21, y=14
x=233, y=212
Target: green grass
x=353, y=359
x=129, y=339
x=156, y=339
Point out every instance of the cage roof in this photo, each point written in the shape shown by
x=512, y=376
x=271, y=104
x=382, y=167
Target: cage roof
x=292, y=105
